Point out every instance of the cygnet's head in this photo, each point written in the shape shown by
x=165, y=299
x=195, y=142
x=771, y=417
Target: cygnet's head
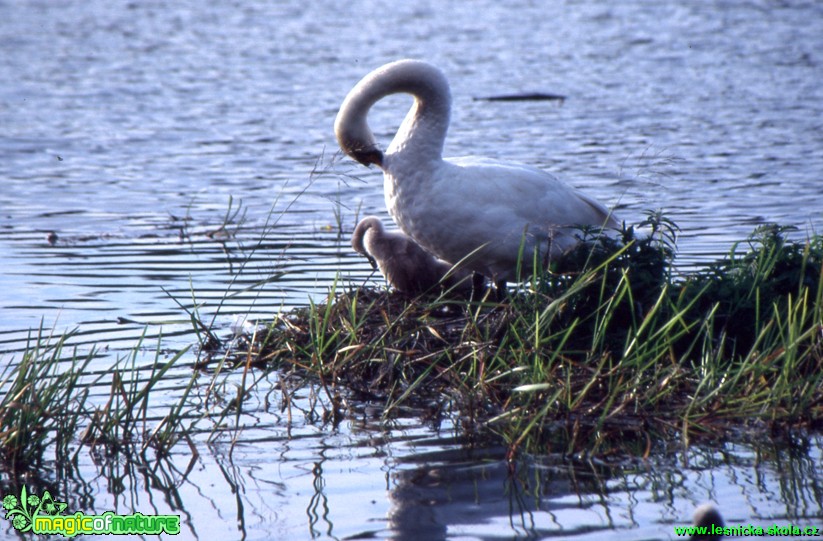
x=372, y=226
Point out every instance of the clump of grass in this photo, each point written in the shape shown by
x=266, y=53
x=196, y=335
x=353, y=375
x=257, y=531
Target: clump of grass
x=40, y=397
x=373, y=341
x=45, y=406
x=752, y=285
x=604, y=352
x=126, y=419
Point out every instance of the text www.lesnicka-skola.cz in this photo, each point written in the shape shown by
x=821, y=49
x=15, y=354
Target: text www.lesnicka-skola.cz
x=750, y=531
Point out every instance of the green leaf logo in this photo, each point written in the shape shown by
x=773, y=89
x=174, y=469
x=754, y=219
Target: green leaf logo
x=22, y=511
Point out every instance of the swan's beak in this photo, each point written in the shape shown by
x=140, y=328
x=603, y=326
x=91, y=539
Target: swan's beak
x=372, y=262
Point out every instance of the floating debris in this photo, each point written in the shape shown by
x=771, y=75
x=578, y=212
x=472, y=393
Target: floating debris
x=533, y=96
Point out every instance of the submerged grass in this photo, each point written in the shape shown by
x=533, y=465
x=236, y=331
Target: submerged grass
x=606, y=352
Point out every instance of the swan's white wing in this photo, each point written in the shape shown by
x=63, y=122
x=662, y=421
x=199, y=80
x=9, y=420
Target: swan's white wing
x=470, y=203
x=524, y=196
x=532, y=194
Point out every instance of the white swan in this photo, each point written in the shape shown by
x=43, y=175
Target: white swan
x=454, y=208
x=404, y=264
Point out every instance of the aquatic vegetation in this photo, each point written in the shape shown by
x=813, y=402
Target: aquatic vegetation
x=39, y=396
x=126, y=418
x=604, y=352
x=610, y=352
x=45, y=405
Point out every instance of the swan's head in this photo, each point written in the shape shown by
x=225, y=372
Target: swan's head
x=353, y=133
x=424, y=81
x=364, y=151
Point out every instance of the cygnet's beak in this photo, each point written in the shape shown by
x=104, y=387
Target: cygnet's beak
x=372, y=262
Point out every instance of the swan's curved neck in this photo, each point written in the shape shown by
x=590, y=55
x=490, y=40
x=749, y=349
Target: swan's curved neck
x=423, y=131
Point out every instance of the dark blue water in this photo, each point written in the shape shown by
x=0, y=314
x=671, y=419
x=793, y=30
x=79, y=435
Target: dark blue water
x=184, y=153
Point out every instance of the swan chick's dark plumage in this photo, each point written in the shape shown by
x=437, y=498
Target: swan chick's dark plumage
x=707, y=516
x=405, y=265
